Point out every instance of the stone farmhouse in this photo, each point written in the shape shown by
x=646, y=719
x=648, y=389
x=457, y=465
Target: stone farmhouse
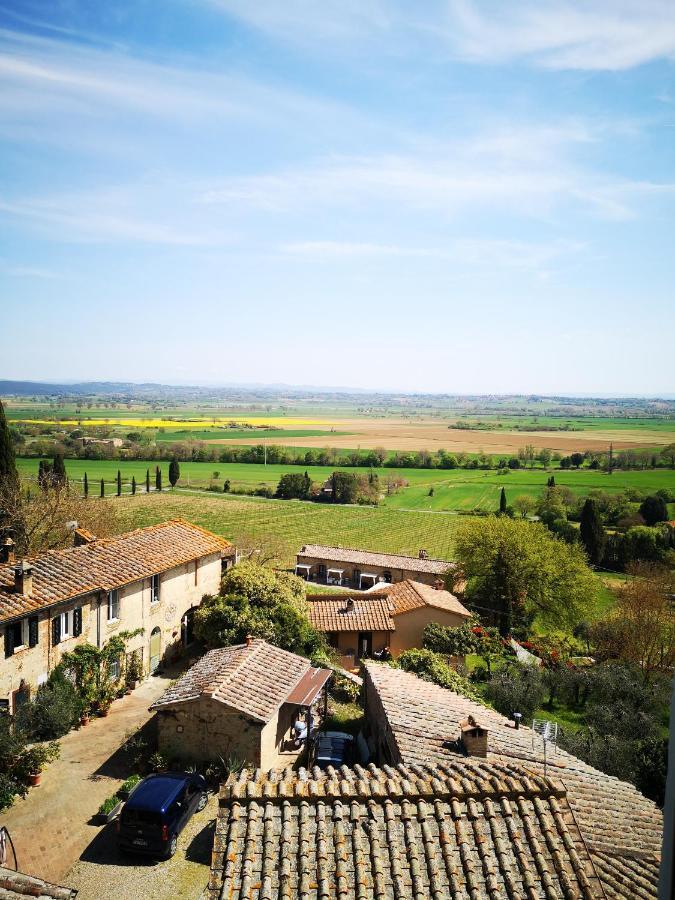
x=241, y=701
x=362, y=569
x=150, y=579
x=413, y=723
x=358, y=626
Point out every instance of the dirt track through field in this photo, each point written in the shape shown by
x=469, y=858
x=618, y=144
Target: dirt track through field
x=401, y=434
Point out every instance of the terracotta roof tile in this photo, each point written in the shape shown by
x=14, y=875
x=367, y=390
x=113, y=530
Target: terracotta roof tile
x=18, y=885
x=459, y=829
x=253, y=679
x=381, y=560
x=364, y=614
x=106, y=564
x=408, y=595
x=621, y=827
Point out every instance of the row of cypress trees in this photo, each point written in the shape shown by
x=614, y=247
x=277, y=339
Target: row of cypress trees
x=174, y=475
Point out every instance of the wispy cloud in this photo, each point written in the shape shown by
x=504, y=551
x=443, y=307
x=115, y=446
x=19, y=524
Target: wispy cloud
x=557, y=34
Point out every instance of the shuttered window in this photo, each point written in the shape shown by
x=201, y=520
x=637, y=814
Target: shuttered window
x=56, y=629
x=77, y=622
x=14, y=636
x=33, y=631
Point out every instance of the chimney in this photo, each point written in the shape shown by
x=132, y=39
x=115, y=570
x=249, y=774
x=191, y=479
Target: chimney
x=473, y=737
x=423, y=554
x=350, y=603
x=7, y=551
x=438, y=584
x=249, y=640
x=23, y=579
x=81, y=537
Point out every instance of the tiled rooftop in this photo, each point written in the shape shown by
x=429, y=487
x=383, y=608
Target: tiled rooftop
x=380, y=560
x=408, y=595
x=106, y=564
x=365, y=614
x=16, y=885
x=253, y=679
x=468, y=829
x=621, y=827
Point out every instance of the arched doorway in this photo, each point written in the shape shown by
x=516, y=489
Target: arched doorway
x=155, y=649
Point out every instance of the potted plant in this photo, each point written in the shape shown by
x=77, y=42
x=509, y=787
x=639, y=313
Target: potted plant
x=106, y=696
x=134, y=671
x=36, y=758
x=84, y=717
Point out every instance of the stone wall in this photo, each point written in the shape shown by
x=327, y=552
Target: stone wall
x=379, y=735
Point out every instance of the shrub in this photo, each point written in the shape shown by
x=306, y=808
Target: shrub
x=54, y=710
x=432, y=667
x=517, y=688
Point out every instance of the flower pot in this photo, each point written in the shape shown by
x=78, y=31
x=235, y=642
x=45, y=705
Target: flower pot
x=35, y=778
x=105, y=711
x=84, y=720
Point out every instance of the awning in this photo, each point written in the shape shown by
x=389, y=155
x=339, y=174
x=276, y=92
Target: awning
x=370, y=575
x=309, y=687
x=302, y=566
x=339, y=571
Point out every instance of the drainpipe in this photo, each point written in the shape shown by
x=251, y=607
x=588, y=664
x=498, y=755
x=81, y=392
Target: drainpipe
x=98, y=621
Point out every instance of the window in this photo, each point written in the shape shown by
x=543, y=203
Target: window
x=15, y=636
x=154, y=589
x=65, y=625
x=115, y=669
x=196, y=570
x=113, y=605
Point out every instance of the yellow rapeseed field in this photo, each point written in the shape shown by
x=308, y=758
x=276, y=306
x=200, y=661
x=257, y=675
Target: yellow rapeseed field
x=270, y=422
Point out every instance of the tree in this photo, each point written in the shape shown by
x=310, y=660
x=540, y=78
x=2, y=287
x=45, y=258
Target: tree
x=174, y=472
x=551, y=481
x=58, y=470
x=147, y=481
x=518, y=570
x=654, y=509
x=86, y=486
x=133, y=484
x=592, y=533
x=576, y=459
x=502, y=502
x=668, y=453
x=433, y=667
x=158, y=478
x=294, y=486
x=525, y=504
x=344, y=487
x=544, y=456
x=102, y=488
x=119, y=483
x=516, y=689
x=256, y=600
x=9, y=477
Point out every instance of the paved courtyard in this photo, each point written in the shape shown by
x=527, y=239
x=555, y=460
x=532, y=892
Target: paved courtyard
x=53, y=825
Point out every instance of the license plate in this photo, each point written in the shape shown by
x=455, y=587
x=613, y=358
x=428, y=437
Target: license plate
x=139, y=842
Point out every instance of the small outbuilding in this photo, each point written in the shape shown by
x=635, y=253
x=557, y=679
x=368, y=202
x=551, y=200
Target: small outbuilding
x=242, y=701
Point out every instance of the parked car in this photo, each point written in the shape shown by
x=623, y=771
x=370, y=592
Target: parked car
x=333, y=748
x=158, y=809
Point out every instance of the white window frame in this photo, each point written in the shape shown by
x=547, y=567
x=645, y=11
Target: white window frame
x=66, y=621
x=114, y=601
x=24, y=635
x=155, y=586
x=115, y=664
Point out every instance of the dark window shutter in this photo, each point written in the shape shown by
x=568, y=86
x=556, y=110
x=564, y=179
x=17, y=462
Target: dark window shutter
x=9, y=641
x=56, y=629
x=33, y=632
x=77, y=621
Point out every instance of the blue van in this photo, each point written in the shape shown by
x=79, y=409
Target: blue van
x=158, y=809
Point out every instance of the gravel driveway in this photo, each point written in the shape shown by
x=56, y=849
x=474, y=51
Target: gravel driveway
x=103, y=872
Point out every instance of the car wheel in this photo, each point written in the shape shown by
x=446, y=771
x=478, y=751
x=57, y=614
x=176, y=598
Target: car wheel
x=173, y=846
x=203, y=800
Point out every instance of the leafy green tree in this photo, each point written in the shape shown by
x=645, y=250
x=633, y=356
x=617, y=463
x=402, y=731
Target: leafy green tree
x=52, y=712
x=345, y=487
x=519, y=570
x=294, y=486
x=516, y=688
x=58, y=470
x=174, y=472
x=544, y=456
x=577, y=459
x=525, y=504
x=502, y=502
x=592, y=533
x=654, y=509
x=668, y=453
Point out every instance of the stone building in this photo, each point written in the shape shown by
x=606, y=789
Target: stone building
x=150, y=579
x=362, y=569
x=412, y=722
x=394, y=616
x=241, y=701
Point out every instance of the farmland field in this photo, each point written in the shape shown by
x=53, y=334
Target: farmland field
x=453, y=489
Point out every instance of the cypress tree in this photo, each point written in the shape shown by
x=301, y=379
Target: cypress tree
x=147, y=481
x=119, y=483
x=502, y=503
x=592, y=533
x=551, y=481
x=174, y=472
x=133, y=484
x=102, y=488
x=158, y=479
x=86, y=486
x=58, y=470
x=9, y=477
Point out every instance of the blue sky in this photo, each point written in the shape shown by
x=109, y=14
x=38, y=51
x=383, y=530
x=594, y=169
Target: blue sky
x=442, y=196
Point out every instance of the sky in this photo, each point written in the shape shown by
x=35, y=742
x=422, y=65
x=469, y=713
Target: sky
x=442, y=196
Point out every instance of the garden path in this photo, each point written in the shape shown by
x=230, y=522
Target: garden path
x=54, y=823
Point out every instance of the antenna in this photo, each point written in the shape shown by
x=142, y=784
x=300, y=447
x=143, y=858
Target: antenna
x=547, y=731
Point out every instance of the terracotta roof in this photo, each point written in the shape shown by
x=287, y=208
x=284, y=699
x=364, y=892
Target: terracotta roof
x=384, y=560
x=17, y=885
x=254, y=680
x=365, y=614
x=466, y=830
x=408, y=595
x=106, y=564
x=621, y=827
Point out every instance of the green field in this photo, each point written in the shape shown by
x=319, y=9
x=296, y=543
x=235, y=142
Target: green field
x=453, y=489
x=266, y=435
x=664, y=424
